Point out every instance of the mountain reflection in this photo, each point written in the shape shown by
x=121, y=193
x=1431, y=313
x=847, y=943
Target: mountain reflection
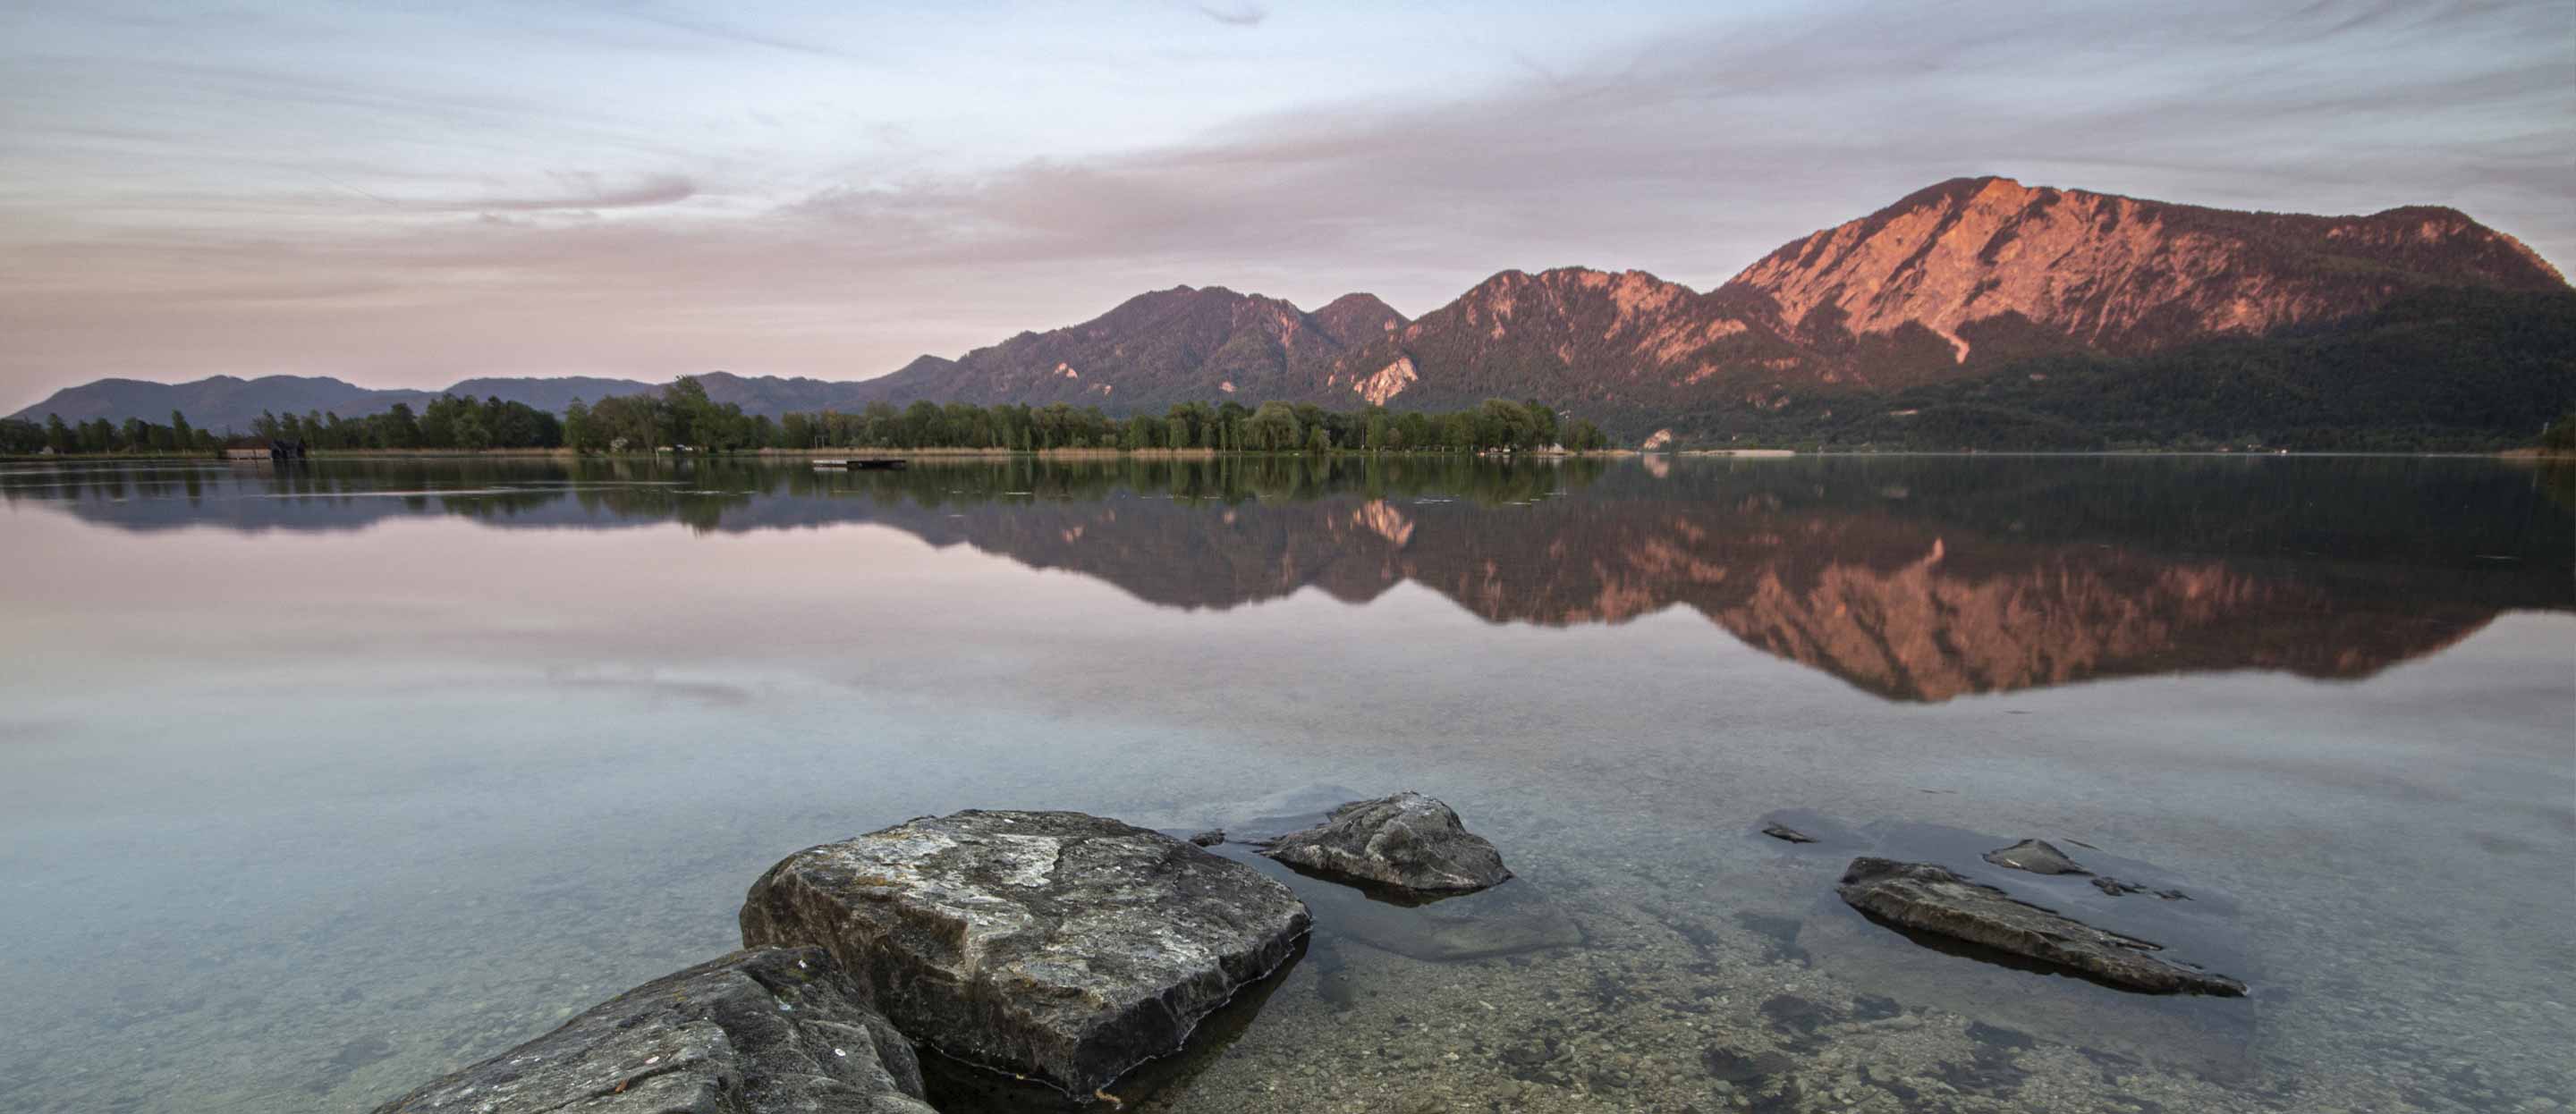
x=1915, y=579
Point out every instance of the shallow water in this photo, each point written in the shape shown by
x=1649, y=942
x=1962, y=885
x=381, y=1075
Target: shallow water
x=317, y=783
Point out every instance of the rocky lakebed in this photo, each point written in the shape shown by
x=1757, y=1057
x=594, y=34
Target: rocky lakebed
x=997, y=960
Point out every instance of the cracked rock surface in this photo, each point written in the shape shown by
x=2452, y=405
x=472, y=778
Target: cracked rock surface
x=755, y=1032
x=1059, y=946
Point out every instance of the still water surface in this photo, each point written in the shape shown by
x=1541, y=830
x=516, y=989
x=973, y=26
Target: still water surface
x=316, y=783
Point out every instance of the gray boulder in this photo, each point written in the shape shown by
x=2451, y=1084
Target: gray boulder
x=758, y=1031
x=1929, y=898
x=1407, y=842
x=2037, y=856
x=1054, y=945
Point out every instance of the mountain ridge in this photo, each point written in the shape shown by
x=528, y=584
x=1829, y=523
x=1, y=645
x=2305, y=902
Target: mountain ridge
x=1954, y=281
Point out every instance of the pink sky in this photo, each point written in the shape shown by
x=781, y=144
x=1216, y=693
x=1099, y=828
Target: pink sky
x=413, y=198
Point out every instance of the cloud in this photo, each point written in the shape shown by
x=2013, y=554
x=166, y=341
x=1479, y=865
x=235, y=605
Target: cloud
x=1689, y=155
x=1694, y=155
x=586, y=194
x=1235, y=15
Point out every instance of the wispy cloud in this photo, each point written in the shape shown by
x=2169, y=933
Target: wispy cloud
x=1689, y=153
x=1235, y=15
x=584, y=192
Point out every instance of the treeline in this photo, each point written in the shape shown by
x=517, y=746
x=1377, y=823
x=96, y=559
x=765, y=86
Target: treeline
x=1222, y=427
x=21, y=437
x=682, y=415
x=448, y=422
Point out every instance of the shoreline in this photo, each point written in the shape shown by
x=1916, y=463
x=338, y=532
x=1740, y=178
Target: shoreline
x=2524, y=455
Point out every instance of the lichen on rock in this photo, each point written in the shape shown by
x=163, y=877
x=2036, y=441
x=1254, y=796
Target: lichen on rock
x=1056, y=945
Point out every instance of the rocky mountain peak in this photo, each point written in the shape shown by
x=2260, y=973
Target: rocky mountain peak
x=2071, y=268
x=1357, y=318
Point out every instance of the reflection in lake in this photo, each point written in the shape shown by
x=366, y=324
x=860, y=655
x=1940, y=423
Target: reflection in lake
x=1920, y=579
x=317, y=782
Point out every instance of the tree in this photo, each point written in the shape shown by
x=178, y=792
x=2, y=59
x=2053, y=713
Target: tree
x=689, y=411
x=20, y=437
x=1543, y=424
x=400, y=430
x=58, y=436
x=578, y=432
x=468, y=432
x=1140, y=433
x=1271, y=429
x=923, y=427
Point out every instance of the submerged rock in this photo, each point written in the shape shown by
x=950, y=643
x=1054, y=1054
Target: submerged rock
x=2036, y=856
x=2118, y=888
x=1929, y=898
x=758, y=1031
x=1781, y=831
x=1055, y=945
x=1409, y=842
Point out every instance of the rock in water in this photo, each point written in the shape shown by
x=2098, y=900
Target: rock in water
x=1930, y=898
x=1059, y=946
x=1208, y=838
x=2035, y=856
x=1408, y=841
x=2116, y=887
x=1781, y=831
x=758, y=1031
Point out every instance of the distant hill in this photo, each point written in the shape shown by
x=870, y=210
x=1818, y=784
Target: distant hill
x=2069, y=317
x=1178, y=345
x=225, y=402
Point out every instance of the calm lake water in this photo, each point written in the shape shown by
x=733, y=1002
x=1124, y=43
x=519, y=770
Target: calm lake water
x=318, y=782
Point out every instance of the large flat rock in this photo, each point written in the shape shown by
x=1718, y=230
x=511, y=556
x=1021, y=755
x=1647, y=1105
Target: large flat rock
x=1055, y=945
x=760, y=1031
x=1930, y=898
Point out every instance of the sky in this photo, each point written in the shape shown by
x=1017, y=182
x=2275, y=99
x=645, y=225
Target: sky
x=412, y=193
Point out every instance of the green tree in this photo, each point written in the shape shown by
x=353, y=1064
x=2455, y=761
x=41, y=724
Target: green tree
x=468, y=432
x=579, y=433
x=1583, y=437
x=1271, y=429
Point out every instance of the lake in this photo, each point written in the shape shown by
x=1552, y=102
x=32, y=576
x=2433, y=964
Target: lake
x=318, y=781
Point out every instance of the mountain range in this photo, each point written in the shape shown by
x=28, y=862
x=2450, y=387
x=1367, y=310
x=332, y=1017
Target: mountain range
x=1959, y=304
